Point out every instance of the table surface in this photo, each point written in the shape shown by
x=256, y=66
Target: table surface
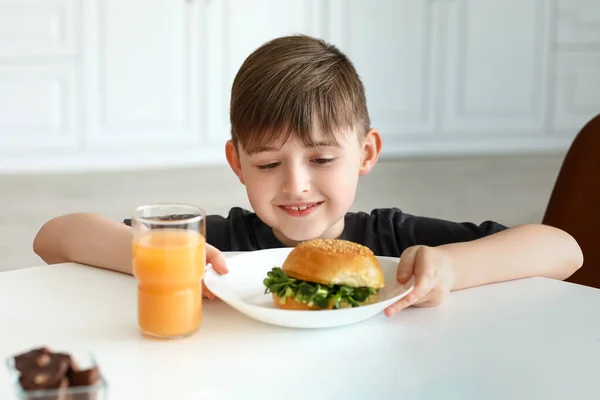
x=531, y=338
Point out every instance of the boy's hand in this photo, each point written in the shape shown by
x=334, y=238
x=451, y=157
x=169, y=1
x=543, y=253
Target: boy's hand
x=434, y=276
x=217, y=259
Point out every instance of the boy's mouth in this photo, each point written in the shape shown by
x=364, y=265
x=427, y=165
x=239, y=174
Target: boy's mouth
x=299, y=209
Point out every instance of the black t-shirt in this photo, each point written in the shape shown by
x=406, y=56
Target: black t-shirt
x=386, y=231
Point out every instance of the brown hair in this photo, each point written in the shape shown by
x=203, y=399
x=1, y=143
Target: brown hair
x=288, y=85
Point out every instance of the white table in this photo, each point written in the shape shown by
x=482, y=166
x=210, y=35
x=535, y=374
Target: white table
x=528, y=339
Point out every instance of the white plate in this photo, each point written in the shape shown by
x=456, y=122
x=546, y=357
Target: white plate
x=242, y=288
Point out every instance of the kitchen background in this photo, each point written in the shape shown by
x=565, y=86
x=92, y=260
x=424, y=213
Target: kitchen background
x=108, y=104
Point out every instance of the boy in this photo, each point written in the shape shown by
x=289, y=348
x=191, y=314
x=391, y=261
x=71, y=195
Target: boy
x=300, y=139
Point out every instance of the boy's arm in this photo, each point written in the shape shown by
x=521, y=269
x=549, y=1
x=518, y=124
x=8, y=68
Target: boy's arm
x=87, y=239
x=97, y=241
x=519, y=252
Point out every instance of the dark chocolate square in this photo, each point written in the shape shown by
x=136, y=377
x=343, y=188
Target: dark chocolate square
x=84, y=377
x=27, y=359
x=45, y=371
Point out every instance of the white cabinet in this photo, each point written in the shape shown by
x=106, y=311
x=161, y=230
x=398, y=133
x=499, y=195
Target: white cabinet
x=577, y=92
x=578, y=23
x=38, y=28
x=38, y=78
x=577, y=63
x=37, y=109
x=141, y=77
x=146, y=83
x=395, y=49
x=496, y=76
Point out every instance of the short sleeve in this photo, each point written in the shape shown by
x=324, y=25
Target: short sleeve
x=390, y=231
x=411, y=230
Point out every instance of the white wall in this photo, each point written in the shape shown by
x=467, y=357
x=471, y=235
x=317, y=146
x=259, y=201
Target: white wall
x=113, y=84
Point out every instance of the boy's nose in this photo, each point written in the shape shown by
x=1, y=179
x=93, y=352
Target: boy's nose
x=296, y=182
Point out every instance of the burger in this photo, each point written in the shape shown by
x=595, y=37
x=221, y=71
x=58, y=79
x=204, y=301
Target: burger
x=322, y=274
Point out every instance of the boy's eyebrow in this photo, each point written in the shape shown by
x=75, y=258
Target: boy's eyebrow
x=273, y=148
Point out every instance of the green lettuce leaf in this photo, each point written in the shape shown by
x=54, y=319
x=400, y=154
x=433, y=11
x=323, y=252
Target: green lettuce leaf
x=311, y=293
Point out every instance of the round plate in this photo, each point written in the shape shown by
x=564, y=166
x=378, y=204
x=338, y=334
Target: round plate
x=242, y=288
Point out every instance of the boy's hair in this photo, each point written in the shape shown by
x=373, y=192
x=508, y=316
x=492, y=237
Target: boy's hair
x=288, y=86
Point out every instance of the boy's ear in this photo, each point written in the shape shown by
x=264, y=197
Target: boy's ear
x=234, y=160
x=370, y=152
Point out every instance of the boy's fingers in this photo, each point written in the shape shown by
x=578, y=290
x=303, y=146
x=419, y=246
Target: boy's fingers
x=406, y=264
x=401, y=304
x=216, y=259
x=206, y=292
x=423, y=271
x=423, y=281
x=405, y=271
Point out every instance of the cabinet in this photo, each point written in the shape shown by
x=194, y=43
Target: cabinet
x=495, y=77
x=395, y=49
x=577, y=63
x=140, y=75
x=104, y=84
x=38, y=76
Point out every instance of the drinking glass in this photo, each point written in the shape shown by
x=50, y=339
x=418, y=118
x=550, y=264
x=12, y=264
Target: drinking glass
x=169, y=256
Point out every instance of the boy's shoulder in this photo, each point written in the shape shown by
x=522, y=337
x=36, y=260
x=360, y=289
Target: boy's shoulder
x=239, y=230
x=389, y=231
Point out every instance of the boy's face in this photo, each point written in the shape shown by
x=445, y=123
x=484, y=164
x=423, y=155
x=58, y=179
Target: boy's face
x=303, y=193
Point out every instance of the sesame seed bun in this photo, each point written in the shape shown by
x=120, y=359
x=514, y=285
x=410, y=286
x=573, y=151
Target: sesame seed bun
x=334, y=262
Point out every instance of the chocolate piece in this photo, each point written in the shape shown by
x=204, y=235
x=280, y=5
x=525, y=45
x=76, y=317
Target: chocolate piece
x=32, y=357
x=84, y=377
x=46, y=372
x=61, y=394
x=37, y=380
x=80, y=378
x=42, y=369
x=73, y=367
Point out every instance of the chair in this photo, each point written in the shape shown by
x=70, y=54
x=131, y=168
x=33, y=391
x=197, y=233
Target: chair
x=574, y=204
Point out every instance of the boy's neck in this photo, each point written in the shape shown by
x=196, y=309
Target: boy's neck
x=334, y=232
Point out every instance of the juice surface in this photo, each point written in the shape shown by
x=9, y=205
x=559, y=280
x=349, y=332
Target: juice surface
x=169, y=265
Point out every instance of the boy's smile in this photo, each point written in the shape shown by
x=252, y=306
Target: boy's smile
x=300, y=209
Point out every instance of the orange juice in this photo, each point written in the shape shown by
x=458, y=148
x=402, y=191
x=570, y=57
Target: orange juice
x=169, y=266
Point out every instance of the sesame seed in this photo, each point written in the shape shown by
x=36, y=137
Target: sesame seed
x=337, y=246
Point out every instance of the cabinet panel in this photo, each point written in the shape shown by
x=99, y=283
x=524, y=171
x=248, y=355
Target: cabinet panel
x=496, y=74
x=140, y=80
x=46, y=28
x=578, y=22
x=577, y=97
x=392, y=47
x=37, y=107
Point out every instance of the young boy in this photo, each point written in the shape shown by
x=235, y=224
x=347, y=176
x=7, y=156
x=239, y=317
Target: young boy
x=300, y=139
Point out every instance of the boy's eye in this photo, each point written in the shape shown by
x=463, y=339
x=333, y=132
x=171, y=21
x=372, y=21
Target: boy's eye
x=324, y=160
x=268, y=166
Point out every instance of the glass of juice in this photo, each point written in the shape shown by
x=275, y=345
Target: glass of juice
x=169, y=256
